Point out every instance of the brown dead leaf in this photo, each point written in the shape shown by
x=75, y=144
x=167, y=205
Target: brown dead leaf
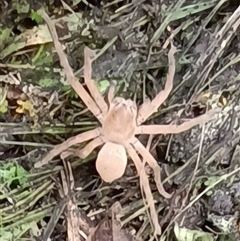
x=110, y=229
x=37, y=35
x=77, y=221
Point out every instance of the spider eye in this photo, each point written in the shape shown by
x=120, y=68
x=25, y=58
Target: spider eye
x=117, y=101
x=133, y=109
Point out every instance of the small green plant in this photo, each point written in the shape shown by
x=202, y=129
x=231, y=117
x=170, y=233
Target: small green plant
x=35, y=16
x=12, y=174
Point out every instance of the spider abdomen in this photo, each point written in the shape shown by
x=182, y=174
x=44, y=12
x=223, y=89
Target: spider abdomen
x=111, y=161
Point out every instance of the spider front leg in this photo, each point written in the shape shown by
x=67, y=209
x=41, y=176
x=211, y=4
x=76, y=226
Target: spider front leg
x=96, y=94
x=82, y=93
x=175, y=129
x=148, y=108
x=68, y=143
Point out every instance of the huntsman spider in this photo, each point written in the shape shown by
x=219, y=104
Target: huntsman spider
x=121, y=120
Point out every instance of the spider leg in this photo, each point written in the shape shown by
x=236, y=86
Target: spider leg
x=153, y=164
x=111, y=91
x=86, y=151
x=148, y=108
x=174, y=129
x=68, y=143
x=91, y=84
x=79, y=89
x=145, y=186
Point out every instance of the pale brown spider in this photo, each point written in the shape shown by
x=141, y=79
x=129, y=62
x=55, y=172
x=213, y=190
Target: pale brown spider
x=120, y=121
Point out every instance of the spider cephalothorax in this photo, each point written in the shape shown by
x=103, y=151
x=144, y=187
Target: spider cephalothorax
x=120, y=130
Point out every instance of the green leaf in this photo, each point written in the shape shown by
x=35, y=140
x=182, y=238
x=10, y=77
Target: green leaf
x=10, y=172
x=4, y=107
x=5, y=34
x=184, y=234
x=211, y=180
x=21, y=6
x=72, y=93
x=21, y=174
x=48, y=83
x=35, y=16
x=103, y=85
x=7, y=173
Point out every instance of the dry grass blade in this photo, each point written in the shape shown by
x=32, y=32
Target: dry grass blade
x=110, y=229
x=214, y=52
